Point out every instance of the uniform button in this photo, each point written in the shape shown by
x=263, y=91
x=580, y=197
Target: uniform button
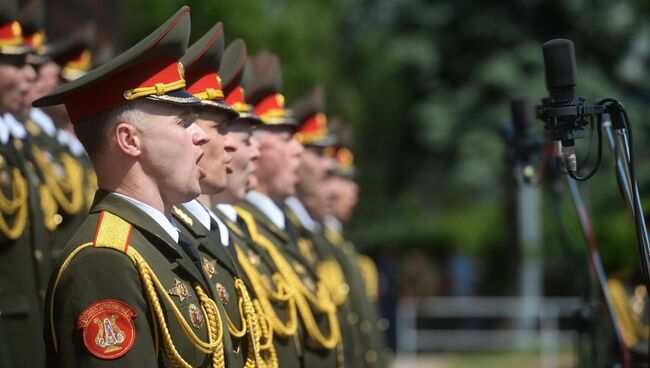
x=353, y=318
x=370, y=356
x=18, y=144
x=366, y=326
x=58, y=219
x=344, y=288
x=383, y=324
x=42, y=293
x=38, y=254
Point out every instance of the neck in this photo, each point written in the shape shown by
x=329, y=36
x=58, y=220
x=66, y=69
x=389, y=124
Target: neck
x=224, y=197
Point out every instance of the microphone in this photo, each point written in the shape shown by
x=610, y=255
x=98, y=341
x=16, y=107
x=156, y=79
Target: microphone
x=526, y=144
x=564, y=115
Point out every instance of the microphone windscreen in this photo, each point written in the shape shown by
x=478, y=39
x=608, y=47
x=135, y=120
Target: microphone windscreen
x=560, y=67
x=523, y=113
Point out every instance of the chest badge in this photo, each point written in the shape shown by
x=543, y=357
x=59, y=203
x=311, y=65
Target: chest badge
x=209, y=267
x=223, y=293
x=180, y=290
x=196, y=316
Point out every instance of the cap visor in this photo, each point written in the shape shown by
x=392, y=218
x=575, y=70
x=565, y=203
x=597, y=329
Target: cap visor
x=223, y=106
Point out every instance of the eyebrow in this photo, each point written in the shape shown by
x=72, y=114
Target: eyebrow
x=188, y=117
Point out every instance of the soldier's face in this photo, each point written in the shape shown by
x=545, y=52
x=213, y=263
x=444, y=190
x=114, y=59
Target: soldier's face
x=47, y=80
x=277, y=169
x=171, y=151
x=15, y=82
x=244, y=159
x=218, y=151
x=342, y=195
x=313, y=167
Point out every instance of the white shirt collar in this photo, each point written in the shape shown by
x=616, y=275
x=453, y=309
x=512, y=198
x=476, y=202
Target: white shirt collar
x=70, y=140
x=228, y=210
x=4, y=131
x=199, y=212
x=268, y=207
x=40, y=118
x=301, y=212
x=155, y=215
x=16, y=128
x=333, y=223
x=203, y=215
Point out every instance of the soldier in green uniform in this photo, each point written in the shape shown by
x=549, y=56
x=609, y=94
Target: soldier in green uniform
x=57, y=153
x=217, y=257
x=305, y=213
x=125, y=291
x=276, y=176
x=340, y=193
x=23, y=264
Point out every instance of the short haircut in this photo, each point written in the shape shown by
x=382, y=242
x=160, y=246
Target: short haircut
x=96, y=132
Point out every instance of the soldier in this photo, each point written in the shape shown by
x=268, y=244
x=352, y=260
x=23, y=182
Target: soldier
x=22, y=248
x=276, y=178
x=57, y=153
x=217, y=259
x=125, y=290
x=340, y=193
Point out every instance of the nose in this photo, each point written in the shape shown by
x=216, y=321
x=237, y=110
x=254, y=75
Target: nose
x=29, y=73
x=199, y=137
x=297, y=147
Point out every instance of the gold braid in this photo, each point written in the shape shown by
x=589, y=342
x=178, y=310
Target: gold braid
x=51, y=218
x=322, y=300
x=72, y=183
x=17, y=205
x=329, y=271
x=265, y=295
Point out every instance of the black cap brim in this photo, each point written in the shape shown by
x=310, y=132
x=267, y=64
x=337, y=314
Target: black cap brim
x=179, y=97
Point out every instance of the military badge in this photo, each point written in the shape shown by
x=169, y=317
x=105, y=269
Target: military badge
x=253, y=258
x=196, y=315
x=108, y=329
x=223, y=293
x=300, y=270
x=209, y=267
x=180, y=290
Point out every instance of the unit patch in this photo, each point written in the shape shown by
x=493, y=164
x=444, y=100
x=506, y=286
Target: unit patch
x=196, y=316
x=108, y=330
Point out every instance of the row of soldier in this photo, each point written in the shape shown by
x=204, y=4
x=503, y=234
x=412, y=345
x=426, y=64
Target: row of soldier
x=215, y=236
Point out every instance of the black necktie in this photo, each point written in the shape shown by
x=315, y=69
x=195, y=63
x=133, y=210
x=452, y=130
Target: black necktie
x=214, y=229
x=189, y=249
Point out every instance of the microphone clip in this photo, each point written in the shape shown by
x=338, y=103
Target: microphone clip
x=564, y=120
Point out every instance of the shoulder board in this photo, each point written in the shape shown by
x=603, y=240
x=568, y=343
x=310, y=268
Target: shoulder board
x=112, y=232
x=182, y=215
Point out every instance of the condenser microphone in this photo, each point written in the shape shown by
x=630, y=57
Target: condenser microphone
x=564, y=115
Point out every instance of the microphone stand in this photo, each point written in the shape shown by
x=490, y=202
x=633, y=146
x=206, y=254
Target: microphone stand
x=597, y=266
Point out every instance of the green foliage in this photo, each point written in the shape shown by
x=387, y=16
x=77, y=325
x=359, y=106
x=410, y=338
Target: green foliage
x=426, y=87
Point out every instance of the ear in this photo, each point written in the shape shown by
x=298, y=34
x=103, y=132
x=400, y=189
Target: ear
x=128, y=140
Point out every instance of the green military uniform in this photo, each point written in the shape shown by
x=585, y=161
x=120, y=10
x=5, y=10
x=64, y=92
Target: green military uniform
x=232, y=295
x=24, y=267
x=124, y=292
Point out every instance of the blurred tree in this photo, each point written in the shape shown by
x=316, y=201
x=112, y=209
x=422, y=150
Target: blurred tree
x=426, y=85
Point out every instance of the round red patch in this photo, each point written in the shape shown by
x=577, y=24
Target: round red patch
x=108, y=329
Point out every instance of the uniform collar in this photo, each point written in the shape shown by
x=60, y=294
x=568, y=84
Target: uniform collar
x=268, y=207
x=4, y=131
x=228, y=210
x=301, y=212
x=155, y=215
x=204, y=215
x=70, y=140
x=333, y=223
x=40, y=118
x=17, y=129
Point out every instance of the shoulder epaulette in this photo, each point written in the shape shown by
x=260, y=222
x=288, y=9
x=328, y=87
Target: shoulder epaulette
x=112, y=232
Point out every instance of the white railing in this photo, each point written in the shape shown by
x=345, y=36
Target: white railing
x=531, y=323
